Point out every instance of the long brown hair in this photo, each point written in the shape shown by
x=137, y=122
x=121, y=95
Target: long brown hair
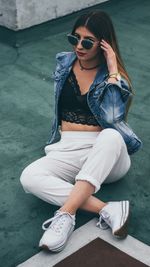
x=100, y=24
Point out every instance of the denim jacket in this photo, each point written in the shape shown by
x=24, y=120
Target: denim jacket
x=106, y=101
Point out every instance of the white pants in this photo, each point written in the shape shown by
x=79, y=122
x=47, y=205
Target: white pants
x=95, y=157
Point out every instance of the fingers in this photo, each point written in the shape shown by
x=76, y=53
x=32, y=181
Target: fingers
x=104, y=42
x=104, y=45
x=107, y=48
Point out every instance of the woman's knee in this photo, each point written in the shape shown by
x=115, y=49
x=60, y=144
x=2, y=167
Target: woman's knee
x=111, y=137
x=27, y=179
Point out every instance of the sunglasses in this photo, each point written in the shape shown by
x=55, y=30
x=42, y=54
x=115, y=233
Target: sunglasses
x=86, y=43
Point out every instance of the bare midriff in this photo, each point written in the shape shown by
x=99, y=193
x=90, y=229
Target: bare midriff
x=70, y=126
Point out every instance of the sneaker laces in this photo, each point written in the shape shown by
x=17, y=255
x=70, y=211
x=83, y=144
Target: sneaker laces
x=57, y=222
x=104, y=220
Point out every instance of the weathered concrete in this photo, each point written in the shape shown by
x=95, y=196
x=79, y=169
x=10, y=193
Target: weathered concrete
x=8, y=13
x=21, y=14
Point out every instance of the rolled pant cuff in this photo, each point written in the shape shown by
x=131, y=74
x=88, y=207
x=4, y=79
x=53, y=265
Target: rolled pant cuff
x=85, y=177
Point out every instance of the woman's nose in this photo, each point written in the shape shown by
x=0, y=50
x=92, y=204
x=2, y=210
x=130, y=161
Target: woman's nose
x=79, y=45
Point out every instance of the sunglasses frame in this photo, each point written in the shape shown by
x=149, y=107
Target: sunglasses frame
x=83, y=42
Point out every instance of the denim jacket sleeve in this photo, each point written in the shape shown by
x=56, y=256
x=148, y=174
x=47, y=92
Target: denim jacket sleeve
x=113, y=105
x=114, y=101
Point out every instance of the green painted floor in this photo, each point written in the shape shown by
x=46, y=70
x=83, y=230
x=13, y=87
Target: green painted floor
x=27, y=59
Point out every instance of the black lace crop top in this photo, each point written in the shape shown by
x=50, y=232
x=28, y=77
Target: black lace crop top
x=73, y=106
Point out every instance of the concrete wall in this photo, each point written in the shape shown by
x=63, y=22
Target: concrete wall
x=21, y=14
x=8, y=13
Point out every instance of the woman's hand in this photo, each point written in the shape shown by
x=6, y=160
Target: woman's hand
x=110, y=57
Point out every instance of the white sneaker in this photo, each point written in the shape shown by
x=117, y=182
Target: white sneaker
x=115, y=215
x=58, y=232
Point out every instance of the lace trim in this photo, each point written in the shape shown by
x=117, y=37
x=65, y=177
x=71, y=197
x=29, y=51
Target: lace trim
x=76, y=114
x=79, y=117
x=74, y=83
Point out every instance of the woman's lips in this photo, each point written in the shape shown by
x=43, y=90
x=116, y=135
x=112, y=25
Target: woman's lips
x=80, y=54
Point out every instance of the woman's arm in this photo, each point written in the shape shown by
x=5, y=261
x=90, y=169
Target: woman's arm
x=112, y=108
x=114, y=101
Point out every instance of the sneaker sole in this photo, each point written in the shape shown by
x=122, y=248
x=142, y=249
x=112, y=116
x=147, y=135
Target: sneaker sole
x=122, y=232
x=53, y=250
x=61, y=246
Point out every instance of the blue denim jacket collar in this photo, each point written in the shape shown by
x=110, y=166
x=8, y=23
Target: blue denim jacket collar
x=65, y=64
x=65, y=61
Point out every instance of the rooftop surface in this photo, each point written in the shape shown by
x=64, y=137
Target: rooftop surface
x=27, y=59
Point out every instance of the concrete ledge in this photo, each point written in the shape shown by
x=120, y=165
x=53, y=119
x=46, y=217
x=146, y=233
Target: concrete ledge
x=21, y=14
x=83, y=236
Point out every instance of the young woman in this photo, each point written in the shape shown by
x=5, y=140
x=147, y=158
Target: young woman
x=92, y=97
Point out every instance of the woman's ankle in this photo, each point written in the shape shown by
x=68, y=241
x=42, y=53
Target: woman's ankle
x=70, y=211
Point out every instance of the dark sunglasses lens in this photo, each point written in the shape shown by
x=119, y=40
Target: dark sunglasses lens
x=87, y=44
x=72, y=39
